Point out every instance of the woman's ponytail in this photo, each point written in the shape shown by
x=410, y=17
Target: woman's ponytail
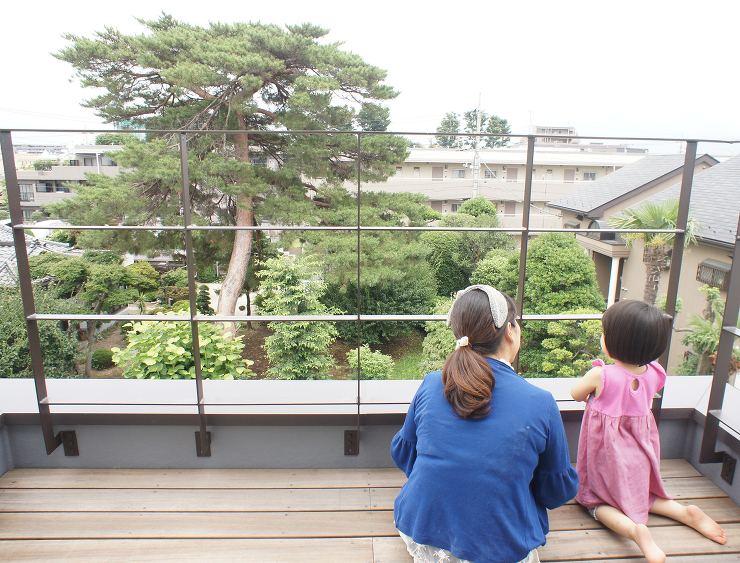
x=467, y=377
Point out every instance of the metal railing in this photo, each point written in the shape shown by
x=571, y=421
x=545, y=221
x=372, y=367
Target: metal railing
x=53, y=440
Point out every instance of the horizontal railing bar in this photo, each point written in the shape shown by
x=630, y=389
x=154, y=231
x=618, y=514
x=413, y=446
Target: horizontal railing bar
x=732, y=329
x=295, y=318
x=194, y=404
x=365, y=133
x=345, y=228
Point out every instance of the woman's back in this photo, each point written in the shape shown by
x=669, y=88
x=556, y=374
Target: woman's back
x=471, y=482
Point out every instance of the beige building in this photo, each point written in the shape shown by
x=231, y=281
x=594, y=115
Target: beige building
x=715, y=205
x=42, y=187
x=447, y=178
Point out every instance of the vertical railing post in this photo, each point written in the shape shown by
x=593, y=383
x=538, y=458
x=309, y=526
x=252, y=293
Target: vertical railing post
x=525, y=230
x=359, y=294
x=51, y=440
x=708, y=453
x=679, y=244
x=202, y=438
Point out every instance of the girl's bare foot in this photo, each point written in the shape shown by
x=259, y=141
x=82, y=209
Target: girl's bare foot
x=644, y=540
x=705, y=525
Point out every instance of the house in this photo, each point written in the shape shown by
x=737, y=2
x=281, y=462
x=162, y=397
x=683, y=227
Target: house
x=42, y=187
x=34, y=247
x=447, y=177
x=589, y=206
x=715, y=204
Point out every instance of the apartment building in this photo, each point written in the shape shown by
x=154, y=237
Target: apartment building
x=447, y=178
x=42, y=187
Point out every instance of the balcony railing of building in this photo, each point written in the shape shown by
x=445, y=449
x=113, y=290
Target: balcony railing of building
x=52, y=440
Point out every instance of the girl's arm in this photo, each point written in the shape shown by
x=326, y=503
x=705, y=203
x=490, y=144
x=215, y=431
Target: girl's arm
x=588, y=384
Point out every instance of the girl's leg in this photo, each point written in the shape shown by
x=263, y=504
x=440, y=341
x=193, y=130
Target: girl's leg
x=691, y=516
x=617, y=521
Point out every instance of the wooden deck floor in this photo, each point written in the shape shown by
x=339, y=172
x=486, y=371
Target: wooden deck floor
x=81, y=515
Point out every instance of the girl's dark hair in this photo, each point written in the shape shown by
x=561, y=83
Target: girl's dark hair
x=468, y=379
x=635, y=332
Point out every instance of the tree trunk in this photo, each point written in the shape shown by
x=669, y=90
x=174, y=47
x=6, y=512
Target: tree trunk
x=239, y=262
x=704, y=367
x=237, y=273
x=655, y=258
x=92, y=328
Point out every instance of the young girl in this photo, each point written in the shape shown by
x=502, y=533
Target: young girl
x=619, y=447
x=484, y=450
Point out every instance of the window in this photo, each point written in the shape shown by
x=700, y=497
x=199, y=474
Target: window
x=399, y=171
x=511, y=174
x=27, y=213
x=490, y=174
x=509, y=207
x=589, y=176
x=63, y=189
x=714, y=273
x=458, y=172
x=456, y=207
x=417, y=172
x=26, y=192
x=45, y=187
x=89, y=161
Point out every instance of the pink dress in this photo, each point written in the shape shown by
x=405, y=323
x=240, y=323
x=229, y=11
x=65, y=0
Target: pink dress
x=619, y=446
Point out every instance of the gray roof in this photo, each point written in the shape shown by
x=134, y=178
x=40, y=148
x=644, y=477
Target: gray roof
x=715, y=201
x=34, y=247
x=624, y=182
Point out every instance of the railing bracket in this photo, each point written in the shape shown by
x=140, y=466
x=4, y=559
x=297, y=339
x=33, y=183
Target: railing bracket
x=203, y=449
x=351, y=442
x=69, y=442
x=728, y=467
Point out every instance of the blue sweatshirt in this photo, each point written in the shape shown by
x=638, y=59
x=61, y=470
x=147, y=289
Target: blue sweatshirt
x=481, y=488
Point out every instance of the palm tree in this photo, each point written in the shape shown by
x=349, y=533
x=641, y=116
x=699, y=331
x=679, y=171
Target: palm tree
x=654, y=215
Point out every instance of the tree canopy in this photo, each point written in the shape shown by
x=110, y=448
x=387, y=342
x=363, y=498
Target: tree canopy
x=239, y=77
x=491, y=124
x=654, y=215
x=560, y=279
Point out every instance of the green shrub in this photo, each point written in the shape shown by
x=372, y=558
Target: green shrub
x=164, y=350
x=175, y=278
x=207, y=274
x=439, y=341
x=373, y=365
x=182, y=305
x=59, y=347
x=102, y=359
x=413, y=296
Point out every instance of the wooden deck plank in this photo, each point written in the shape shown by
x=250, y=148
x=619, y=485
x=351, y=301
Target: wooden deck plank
x=335, y=550
x=670, y=468
x=193, y=500
x=692, y=487
x=200, y=478
x=594, y=545
x=391, y=550
x=205, y=525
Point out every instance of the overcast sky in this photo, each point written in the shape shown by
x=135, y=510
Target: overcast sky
x=649, y=68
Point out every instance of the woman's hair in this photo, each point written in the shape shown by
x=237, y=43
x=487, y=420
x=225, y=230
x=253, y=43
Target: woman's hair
x=467, y=377
x=635, y=332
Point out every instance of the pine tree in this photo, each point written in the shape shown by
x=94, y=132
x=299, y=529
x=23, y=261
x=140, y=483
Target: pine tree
x=240, y=77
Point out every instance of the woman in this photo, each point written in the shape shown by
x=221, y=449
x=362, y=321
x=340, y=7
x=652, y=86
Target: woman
x=484, y=450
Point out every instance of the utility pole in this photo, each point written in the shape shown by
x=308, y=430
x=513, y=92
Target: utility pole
x=476, y=158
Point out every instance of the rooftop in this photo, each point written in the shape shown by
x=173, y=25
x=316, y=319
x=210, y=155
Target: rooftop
x=637, y=176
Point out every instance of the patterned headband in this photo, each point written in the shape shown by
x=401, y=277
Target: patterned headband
x=497, y=301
